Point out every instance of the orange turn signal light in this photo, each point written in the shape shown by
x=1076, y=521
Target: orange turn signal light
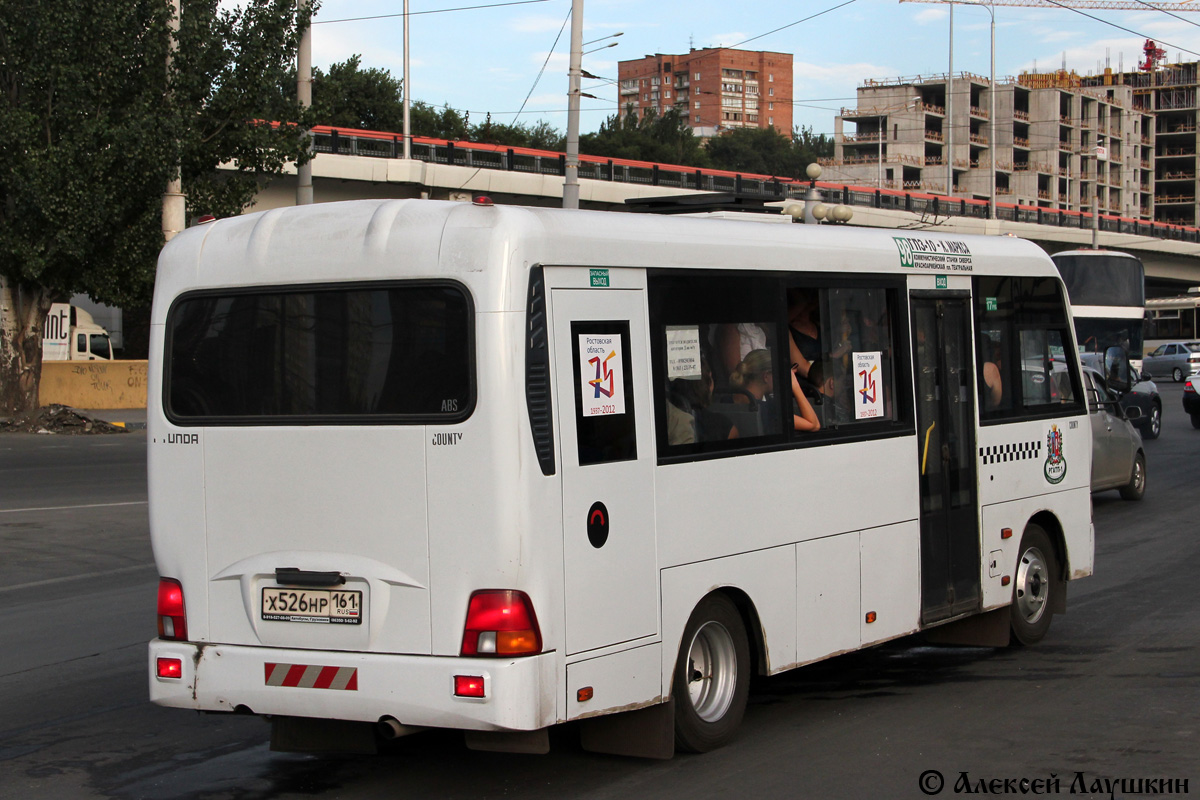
x=871, y=617
x=584, y=694
x=1006, y=533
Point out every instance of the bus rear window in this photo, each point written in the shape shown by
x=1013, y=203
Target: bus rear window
x=354, y=354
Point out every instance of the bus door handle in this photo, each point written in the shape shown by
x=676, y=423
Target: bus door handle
x=291, y=576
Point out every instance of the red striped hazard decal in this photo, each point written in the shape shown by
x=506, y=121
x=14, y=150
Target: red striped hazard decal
x=312, y=676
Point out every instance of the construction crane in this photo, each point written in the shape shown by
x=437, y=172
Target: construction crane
x=1102, y=5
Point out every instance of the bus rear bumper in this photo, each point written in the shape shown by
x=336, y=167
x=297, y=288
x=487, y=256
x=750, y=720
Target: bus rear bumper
x=415, y=690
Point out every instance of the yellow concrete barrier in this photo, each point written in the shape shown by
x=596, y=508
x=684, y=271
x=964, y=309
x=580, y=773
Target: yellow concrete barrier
x=94, y=384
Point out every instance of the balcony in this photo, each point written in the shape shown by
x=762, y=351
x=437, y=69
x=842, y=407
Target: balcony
x=978, y=138
x=1021, y=115
x=1021, y=141
x=934, y=136
x=976, y=111
x=862, y=138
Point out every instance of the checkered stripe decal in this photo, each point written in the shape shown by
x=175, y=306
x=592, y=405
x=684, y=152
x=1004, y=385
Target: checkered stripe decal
x=1018, y=451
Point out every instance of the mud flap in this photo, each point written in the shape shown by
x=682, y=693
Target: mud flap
x=644, y=733
x=990, y=629
x=534, y=742
x=307, y=735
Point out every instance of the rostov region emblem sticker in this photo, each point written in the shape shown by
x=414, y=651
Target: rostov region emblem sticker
x=1056, y=465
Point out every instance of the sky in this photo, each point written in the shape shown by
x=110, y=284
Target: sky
x=510, y=60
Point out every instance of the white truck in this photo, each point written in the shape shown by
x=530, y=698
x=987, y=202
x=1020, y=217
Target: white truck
x=70, y=334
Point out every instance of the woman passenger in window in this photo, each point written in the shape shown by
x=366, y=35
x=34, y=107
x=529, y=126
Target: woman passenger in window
x=755, y=379
x=804, y=332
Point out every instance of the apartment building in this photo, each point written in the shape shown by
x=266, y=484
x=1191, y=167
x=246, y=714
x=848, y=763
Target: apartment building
x=716, y=88
x=1056, y=142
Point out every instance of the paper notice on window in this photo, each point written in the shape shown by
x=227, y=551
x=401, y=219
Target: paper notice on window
x=683, y=352
x=868, y=384
x=602, y=372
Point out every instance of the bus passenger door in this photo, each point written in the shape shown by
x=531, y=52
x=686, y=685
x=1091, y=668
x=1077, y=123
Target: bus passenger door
x=602, y=383
x=950, y=558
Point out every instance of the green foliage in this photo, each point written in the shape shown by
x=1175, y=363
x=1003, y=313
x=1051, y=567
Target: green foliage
x=764, y=151
x=226, y=89
x=666, y=139
x=85, y=143
x=92, y=122
x=348, y=96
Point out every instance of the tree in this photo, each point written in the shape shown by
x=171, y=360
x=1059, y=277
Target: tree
x=666, y=139
x=92, y=123
x=764, y=151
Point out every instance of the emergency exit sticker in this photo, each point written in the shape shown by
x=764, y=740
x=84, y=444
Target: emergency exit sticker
x=868, y=379
x=601, y=374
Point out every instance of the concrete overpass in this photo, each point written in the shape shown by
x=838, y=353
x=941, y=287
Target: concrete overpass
x=1172, y=265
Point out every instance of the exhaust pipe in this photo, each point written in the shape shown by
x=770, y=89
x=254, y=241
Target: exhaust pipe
x=390, y=728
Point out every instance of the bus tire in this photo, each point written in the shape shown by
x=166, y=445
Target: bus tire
x=1036, y=578
x=712, y=676
x=1136, y=488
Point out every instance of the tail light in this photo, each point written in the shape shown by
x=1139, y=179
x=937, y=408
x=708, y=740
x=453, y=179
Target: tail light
x=172, y=622
x=500, y=622
x=1189, y=387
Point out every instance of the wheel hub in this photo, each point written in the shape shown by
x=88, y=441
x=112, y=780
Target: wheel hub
x=1032, y=584
x=712, y=671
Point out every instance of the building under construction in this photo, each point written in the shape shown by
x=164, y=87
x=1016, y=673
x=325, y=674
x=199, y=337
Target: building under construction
x=1123, y=141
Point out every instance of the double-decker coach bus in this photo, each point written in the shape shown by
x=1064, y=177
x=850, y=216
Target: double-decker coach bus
x=425, y=464
x=1107, y=290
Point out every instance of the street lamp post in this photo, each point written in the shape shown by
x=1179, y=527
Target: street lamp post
x=571, y=179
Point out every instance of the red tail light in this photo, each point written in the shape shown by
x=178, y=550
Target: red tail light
x=501, y=622
x=172, y=622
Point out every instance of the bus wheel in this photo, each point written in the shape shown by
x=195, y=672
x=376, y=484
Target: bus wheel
x=1036, y=571
x=712, y=676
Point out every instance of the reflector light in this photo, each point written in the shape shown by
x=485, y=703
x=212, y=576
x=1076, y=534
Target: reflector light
x=1006, y=533
x=871, y=617
x=500, y=622
x=1005, y=580
x=170, y=668
x=468, y=686
x=172, y=621
x=584, y=694
x=483, y=200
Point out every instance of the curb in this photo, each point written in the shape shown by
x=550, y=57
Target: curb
x=130, y=426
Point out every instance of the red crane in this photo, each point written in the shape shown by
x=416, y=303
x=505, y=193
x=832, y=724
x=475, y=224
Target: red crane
x=1154, y=55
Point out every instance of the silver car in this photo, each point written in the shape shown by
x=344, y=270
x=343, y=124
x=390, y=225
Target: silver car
x=1177, y=359
x=1118, y=459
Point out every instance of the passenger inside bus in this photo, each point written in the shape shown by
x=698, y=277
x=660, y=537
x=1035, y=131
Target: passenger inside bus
x=754, y=383
x=993, y=382
x=690, y=418
x=804, y=339
x=831, y=408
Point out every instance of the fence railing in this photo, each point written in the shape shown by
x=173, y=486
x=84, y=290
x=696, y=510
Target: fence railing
x=372, y=144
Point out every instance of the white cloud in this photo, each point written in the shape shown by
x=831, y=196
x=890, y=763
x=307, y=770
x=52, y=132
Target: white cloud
x=929, y=16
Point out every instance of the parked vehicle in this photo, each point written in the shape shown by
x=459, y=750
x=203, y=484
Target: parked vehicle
x=1118, y=458
x=1191, y=399
x=70, y=334
x=1143, y=393
x=1177, y=359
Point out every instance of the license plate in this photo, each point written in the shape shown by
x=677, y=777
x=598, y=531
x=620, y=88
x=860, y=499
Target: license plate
x=337, y=606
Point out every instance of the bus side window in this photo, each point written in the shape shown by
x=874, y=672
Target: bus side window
x=1023, y=361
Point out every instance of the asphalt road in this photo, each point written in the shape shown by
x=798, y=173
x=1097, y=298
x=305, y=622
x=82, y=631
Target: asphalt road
x=1113, y=692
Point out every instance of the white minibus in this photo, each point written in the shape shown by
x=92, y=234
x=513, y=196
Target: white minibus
x=421, y=464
